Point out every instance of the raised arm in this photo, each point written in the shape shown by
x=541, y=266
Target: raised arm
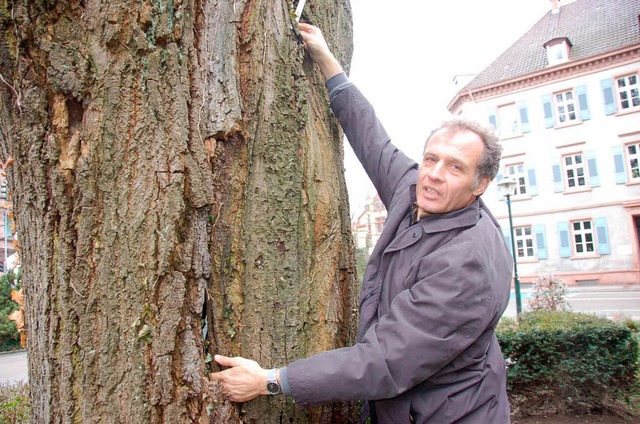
x=385, y=165
x=315, y=43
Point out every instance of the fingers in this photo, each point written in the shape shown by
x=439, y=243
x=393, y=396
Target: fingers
x=306, y=28
x=226, y=361
x=310, y=32
x=243, y=381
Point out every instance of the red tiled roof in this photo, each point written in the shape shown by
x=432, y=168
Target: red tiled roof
x=592, y=26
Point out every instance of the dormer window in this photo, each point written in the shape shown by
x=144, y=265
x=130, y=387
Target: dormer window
x=558, y=50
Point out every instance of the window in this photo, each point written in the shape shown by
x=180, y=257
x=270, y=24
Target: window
x=558, y=50
x=508, y=121
x=530, y=241
x=516, y=171
x=633, y=156
x=574, y=171
x=565, y=107
x=628, y=91
x=379, y=224
x=524, y=242
x=583, y=237
x=557, y=54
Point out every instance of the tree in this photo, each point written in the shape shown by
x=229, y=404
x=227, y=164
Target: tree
x=549, y=293
x=178, y=191
x=9, y=338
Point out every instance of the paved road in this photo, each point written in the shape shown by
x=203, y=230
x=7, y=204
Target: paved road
x=13, y=367
x=610, y=301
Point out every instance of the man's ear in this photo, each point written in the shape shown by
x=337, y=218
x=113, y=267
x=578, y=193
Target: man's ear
x=484, y=183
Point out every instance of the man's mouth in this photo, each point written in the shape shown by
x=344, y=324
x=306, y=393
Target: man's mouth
x=432, y=191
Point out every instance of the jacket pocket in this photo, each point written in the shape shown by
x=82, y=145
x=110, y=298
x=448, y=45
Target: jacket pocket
x=368, y=296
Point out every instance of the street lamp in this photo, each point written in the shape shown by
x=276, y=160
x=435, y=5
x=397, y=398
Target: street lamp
x=507, y=187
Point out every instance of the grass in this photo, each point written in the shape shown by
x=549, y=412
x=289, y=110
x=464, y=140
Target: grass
x=14, y=403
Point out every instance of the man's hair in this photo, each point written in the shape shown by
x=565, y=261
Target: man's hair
x=490, y=162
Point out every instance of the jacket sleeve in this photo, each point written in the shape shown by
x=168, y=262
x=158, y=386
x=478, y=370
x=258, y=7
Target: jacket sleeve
x=451, y=305
x=386, y=165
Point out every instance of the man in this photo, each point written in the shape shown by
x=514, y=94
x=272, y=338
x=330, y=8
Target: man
x=434, y=289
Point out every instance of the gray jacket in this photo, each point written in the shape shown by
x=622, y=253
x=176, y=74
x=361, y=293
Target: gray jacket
x=432, y=295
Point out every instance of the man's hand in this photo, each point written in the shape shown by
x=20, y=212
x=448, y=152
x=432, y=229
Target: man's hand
x=244, y=381
x=315, y=43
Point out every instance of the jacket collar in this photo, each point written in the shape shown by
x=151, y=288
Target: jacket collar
x=433, y=223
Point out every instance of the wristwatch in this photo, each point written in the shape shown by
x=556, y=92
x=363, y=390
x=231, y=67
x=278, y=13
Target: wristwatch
x=273, y=388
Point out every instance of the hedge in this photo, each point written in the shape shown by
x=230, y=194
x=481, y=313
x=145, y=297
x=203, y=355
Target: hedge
x=561, y=362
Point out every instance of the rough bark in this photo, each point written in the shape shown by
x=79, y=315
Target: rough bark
x=178, y=192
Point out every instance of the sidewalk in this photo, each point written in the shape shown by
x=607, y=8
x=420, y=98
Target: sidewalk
x=13, y=367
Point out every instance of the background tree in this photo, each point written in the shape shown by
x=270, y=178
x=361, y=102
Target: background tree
x=178, y=191
x=9, y=337
x=549, y=293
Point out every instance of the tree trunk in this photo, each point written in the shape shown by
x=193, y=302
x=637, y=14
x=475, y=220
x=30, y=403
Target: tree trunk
x=178, y=191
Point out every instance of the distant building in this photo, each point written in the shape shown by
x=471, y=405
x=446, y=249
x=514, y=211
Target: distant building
x=368, y=226
x=7, y=249
x=565, y=100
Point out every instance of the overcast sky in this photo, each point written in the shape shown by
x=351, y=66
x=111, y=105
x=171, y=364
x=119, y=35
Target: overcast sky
x=406, y=54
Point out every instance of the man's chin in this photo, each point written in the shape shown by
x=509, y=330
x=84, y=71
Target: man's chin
x=428, y=210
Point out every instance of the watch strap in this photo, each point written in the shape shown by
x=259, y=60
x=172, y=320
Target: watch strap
x=273, y=388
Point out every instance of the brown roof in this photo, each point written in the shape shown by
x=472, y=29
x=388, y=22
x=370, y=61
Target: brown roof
x=592, y=26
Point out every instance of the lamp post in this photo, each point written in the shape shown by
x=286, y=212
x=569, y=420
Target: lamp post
x=507, y=186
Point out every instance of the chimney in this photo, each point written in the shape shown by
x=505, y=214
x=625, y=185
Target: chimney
x=555, y=6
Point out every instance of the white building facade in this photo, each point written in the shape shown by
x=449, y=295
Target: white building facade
x=565, y=100
x=367, y=228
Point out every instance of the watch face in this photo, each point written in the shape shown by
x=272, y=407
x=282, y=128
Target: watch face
x=273, y=388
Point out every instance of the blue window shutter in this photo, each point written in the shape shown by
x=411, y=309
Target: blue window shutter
x=549, y=119
x=558, y=184
x=7, y=229
x=610, y=106
x=533, y=183
x=541, y=241
x=493, y=119
x=565, y=244
x=507, y=238
x=592, y=168
x=602, y=235
x=524, y=117
x=618, y=163
x=583, y=103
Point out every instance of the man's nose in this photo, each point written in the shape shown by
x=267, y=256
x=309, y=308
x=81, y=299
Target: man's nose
x=437, y=172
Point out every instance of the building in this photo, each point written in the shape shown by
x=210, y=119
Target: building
x=565, y=100
x=368, y=226
x=8, y=250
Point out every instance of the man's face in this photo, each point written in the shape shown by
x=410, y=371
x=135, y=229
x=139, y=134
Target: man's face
x=447, y=172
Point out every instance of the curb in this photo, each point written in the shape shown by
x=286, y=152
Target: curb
x=9, y=352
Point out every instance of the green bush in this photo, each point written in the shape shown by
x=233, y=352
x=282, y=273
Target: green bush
x=562, y=362
x=9, y=338
x=362, y=257
x=14, y=403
